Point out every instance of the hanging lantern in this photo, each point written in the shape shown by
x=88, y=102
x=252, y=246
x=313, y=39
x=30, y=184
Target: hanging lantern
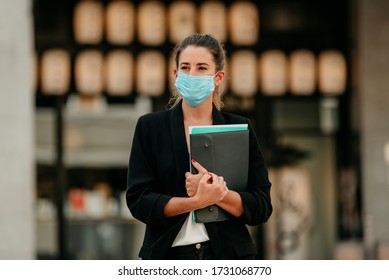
x=332, y=72
x=120, y=22
x=273, y=67
x=88, y=22
x=151, y=23
x=212, y=19
x=89, y=72
x=302, y=72
x=243, y=69
x=55, y=72
x=150, y=73
x=119, y=73
x=182, y=20
x=244, y=23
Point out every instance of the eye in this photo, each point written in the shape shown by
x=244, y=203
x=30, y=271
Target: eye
x=184, y=68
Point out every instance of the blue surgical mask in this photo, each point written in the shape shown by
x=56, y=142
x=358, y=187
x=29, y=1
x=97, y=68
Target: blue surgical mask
x=194, y=89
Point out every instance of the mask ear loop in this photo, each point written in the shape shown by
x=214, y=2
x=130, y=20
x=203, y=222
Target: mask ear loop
x=214, y=78
x=216, y=93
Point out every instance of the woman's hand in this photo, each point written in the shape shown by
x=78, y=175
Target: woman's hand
x=192, y=180
x=211, y=190
x=204, y=189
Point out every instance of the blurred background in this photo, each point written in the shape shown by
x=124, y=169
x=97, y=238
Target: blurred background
x=75, y=75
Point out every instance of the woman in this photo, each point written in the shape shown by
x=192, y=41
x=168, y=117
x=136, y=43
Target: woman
x=162, y=193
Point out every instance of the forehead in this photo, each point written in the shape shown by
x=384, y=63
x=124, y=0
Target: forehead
x=196, y=55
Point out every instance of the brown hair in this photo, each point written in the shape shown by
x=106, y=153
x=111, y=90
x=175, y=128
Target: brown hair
x=216, y=49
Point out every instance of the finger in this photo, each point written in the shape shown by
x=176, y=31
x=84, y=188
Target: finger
x=206, y=178
x=215, y=178
x=210, y=180
x=199, y=167
x=187, y=174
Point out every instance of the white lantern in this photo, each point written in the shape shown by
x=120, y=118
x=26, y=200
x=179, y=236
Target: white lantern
x=212, y=19
x=150, y=73
x=302, y=72
x=151, y=23
x=120, y=22
x=89, y=72
x=273, y=66
x=332, y=72
x=119, y=73
x=182, y=20
x=243, y=67
x=55, y=72
x=244, y=23
x=88, y=22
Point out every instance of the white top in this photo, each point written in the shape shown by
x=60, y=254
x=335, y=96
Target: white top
x=191, y=233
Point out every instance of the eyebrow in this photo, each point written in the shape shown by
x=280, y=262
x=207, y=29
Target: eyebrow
x=198, y=64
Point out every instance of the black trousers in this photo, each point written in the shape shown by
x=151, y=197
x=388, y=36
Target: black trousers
x=197, y=251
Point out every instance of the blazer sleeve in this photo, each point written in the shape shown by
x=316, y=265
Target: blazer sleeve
x=143, y=200
x=256, y=199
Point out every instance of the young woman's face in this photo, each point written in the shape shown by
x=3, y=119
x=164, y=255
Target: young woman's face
x=196, y=61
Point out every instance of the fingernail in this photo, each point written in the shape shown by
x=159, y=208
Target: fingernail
x=193, y=160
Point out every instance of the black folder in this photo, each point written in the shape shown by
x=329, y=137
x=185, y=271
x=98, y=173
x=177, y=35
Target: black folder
x=225, y=154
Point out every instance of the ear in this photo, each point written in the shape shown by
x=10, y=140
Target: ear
x=175, y=73
x=219, y=78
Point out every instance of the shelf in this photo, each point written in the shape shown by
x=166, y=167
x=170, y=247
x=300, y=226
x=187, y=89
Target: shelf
x=92, y=239
x=100, y=138
x=75, y=221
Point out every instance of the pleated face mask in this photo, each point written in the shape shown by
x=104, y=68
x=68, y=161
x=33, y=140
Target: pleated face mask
x=194, y=89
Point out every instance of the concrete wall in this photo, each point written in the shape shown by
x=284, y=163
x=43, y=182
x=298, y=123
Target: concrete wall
x=17, y=181
x=373, y=91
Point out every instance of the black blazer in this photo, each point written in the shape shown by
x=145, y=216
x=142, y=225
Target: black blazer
x=158, y=161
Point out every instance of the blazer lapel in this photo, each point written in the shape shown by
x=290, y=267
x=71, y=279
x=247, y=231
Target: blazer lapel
x=180, y=148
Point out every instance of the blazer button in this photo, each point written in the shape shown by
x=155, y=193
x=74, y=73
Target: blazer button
x=211, y=209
